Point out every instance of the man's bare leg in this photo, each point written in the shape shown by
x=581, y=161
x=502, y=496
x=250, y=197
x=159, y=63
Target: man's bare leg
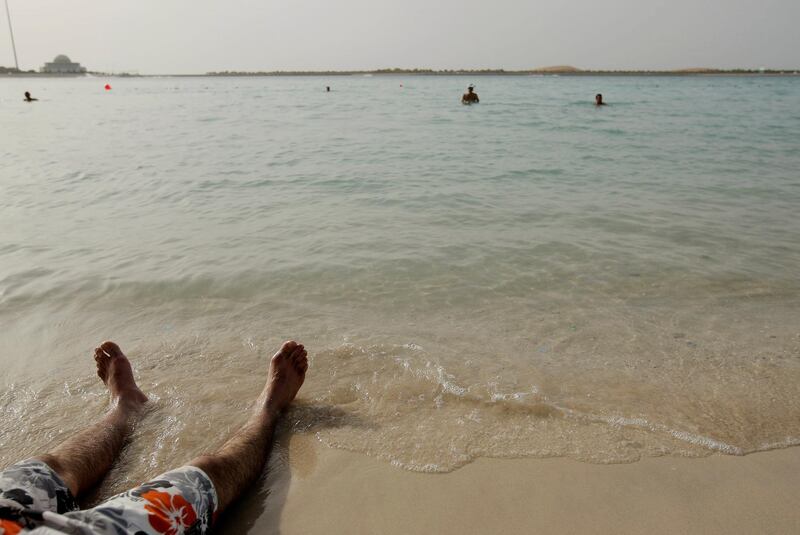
x=241, y=459
x=87, y=456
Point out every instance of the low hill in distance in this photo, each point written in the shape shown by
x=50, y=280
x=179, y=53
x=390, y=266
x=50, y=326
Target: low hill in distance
x=558, y=69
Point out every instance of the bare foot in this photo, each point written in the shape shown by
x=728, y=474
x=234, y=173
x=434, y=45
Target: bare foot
x=115, y=370
x=287, y=370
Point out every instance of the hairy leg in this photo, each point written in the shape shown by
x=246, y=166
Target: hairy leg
x=86, y=457
x=241, y=459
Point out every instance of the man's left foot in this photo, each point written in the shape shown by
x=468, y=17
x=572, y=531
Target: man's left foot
x=287, y=371
x=114, y=368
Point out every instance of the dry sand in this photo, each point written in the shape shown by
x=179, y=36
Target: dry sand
x=315, y=490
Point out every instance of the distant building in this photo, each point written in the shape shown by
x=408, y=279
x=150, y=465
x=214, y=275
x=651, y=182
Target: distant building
x=63, y=65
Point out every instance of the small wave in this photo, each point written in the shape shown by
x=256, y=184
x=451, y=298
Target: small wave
x=691, y=438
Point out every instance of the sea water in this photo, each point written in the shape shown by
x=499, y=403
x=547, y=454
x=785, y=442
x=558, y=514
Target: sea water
x=530, y=276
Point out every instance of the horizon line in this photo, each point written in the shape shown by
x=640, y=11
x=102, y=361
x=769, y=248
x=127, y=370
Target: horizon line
x=559, y=69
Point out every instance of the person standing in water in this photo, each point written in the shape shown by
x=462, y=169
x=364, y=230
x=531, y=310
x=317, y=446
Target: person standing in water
x=29, y=98
x=470, y=96
x=598, y=100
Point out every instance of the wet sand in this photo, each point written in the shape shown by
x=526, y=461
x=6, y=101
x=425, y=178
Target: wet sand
x=317, y=490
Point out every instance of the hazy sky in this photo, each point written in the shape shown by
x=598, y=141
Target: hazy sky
x=196, y=36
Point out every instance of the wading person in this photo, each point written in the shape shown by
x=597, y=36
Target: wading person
x=470, y=96
x=39, y=495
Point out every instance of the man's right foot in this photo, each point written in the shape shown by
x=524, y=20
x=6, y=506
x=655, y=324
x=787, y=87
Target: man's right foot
x=114, y=368
x=287, y=371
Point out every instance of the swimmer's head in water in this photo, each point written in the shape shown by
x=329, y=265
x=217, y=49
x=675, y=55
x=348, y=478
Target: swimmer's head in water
x=471, y=88
x=598, y=98
x=27, y=94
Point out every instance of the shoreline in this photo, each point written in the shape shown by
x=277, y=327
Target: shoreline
x=311, y=489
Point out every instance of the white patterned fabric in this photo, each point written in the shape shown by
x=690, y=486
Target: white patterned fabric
x=35, y=500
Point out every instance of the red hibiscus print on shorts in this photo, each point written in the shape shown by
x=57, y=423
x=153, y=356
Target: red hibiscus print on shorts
x=168, y=514
x=7, y=527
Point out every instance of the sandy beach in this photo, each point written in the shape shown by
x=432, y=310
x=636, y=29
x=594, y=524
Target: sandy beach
x=313, y=490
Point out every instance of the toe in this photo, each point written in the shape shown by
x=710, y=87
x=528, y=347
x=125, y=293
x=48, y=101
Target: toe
x=286, y=350
x=101, y=358
x=111, y=349
x=297, y=358
x=288, y=347
x=300, y=361
x=102, y=362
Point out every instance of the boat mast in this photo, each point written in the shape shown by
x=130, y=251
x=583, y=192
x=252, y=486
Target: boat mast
x=11, y=32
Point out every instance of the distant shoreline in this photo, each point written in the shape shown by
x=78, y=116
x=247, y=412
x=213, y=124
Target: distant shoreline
x=501, y=72
x=548, y=71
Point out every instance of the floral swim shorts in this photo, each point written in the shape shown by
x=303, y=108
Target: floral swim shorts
x=34, y=499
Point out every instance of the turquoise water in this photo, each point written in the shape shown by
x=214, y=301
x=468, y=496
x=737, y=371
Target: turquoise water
x=531, y=276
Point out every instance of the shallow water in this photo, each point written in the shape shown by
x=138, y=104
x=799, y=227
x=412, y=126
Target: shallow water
x=531, y=276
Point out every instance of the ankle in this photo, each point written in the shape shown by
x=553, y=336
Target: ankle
x=266, y=411
x=129, y=402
